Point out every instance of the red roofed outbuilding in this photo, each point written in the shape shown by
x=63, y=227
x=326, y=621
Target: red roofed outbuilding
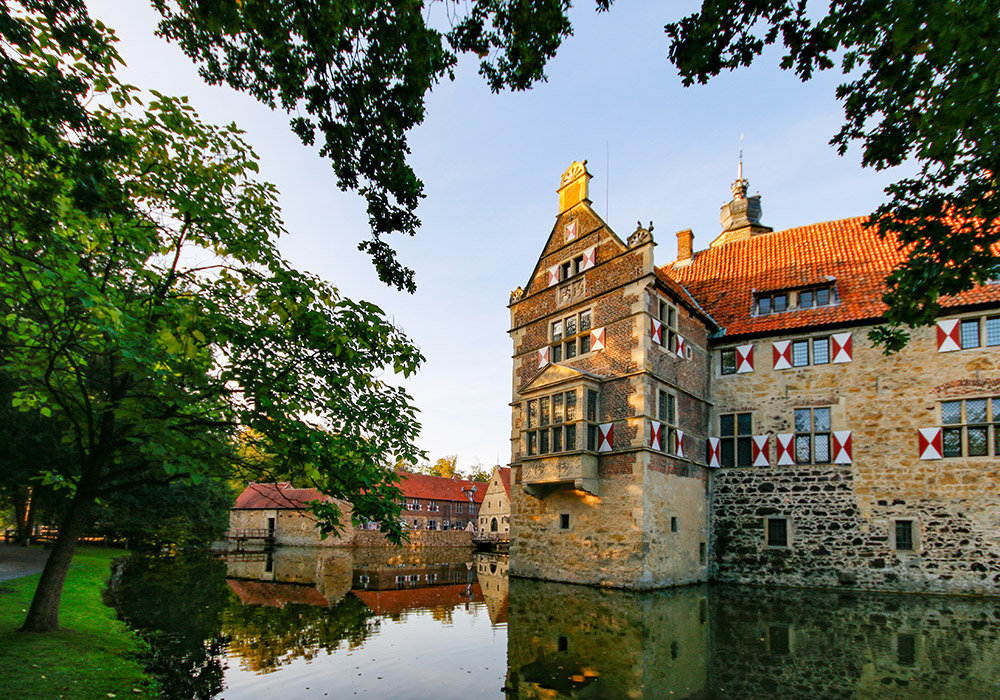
x=280, y=512
x=437, y=503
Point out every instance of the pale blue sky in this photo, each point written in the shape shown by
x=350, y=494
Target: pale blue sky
x=491, y=163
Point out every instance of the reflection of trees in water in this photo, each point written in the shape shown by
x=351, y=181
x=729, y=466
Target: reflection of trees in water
x=266, y=638
x=174, y=601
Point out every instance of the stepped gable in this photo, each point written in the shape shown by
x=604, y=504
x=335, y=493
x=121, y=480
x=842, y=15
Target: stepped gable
x=436, y=488
x=280, y=495
x=724, y=279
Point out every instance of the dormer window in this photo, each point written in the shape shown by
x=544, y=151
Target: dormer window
x=778, y=302
x=772, y=303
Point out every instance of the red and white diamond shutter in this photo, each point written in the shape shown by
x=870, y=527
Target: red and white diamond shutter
x=680, y=347
x=842, y=448
x=570, y=231
x=589, y=258
x=841, y=348
x=714, y=452
x=786, y=449
x=744, y=359
x=553, y=275
x=597, y=339
x=929, y=443
x=948, y=339
x=680, y=443
x=656, y=435
x=543, y=356
x=782, y=354
x=605, y=437
x=760, y=454
x=656, y=331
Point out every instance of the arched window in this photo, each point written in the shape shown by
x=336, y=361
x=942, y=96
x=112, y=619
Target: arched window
x=493, y=525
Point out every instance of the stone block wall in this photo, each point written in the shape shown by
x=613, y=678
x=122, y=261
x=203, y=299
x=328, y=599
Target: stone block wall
x=418, y=538
x=843, y=516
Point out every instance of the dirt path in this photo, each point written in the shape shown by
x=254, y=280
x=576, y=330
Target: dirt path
x=17, y=561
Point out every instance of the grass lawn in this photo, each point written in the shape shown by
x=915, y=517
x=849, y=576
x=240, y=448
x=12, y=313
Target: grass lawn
x=94, y=656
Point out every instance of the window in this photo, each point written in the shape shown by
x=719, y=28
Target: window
x=667, y=411
x=552, y=423
x=564, y=521
x=416, y=524
x=904, y=536
x=432, y=525
x=779, y=641
x=777, y=532
x=458, y=507
x=969, y=426
x=812, y=435
x=702, y=553
x=735, y=439
x=906, y=649
x=673, y=524
x=668, y=317
x=971, y=332
x=432, y=506
x=414, y=506
x=570, y=336
x=591, y=417
x=810, y=351
x=728, y=361
x=445, y=524
x=570, y=268
x=778, y=302
x=772, y=303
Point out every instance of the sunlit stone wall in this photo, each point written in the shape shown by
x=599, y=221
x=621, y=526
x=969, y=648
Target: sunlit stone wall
x=842, y=517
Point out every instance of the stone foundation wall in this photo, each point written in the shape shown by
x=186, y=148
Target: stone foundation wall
x=418, y=538
x=602, y=546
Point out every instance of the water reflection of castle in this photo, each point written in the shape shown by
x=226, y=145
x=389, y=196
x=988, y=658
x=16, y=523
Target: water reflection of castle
x=698, y=643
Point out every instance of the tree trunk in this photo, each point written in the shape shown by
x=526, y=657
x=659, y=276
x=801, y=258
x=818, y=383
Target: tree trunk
x=43, y=616
x=22, y=514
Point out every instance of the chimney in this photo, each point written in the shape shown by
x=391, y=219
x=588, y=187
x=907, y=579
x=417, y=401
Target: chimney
x=574, y=186
x=685, y=242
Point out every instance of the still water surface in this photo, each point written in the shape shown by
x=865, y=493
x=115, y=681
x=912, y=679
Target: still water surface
x=442, y=623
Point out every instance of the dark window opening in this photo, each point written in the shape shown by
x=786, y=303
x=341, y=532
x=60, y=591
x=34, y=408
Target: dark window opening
x=904, y=535
x=777, y=532
x=906, y=649
x=564, y=521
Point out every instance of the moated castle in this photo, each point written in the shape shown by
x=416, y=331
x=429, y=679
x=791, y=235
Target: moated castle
x=725, y=416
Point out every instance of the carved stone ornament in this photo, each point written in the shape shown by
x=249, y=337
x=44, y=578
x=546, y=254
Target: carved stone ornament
x=576, y=170
x=516, y=295
x=640, y=235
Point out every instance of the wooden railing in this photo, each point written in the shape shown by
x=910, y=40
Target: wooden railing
x=498, y=537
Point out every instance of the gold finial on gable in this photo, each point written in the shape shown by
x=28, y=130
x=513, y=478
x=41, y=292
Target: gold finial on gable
x=573, y=187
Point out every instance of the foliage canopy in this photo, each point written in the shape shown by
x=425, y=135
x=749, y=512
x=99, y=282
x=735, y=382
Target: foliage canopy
x=146, y=312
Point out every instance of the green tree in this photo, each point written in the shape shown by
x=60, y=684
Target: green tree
x=146, y=312
x=922, y=82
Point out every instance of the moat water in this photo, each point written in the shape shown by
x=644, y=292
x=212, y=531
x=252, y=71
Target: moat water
x=440, y=624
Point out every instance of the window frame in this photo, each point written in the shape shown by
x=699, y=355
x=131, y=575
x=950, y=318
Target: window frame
x=668, y=315
x=768, y=539
x=565, y=428
x=914, y=534
x=991, y=426
x=568, y=346
x=766, y=303
x=736, y=439
x=812, y=433
x=668, y=413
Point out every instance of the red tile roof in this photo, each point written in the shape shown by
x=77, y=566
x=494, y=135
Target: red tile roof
x=724, y=279
x=281, y=495
x=436, y=488
x=427, y=597
x=275, y=594
x=505, y=478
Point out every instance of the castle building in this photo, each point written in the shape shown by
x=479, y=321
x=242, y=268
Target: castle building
x=494, y=511
x=725, y=416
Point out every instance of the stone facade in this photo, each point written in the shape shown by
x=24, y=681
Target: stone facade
x=292, y=527
x=809, y=470
x=586, y=508
x=494, y=512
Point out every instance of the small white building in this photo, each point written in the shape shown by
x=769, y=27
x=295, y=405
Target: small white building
x=494, y=513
